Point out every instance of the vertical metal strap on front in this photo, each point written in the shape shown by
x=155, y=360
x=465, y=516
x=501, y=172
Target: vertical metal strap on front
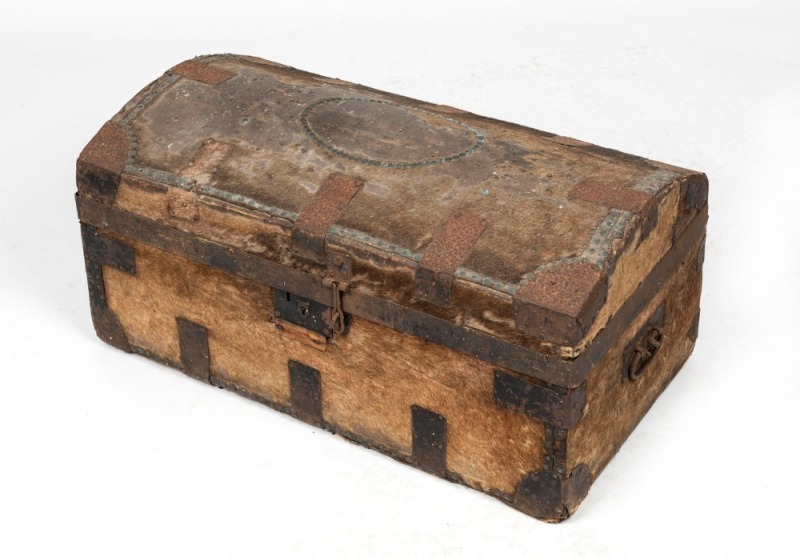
x=305, y=384
x=193, y=343
x=428, y=440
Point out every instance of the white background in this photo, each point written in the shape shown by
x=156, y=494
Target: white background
x=104, y=453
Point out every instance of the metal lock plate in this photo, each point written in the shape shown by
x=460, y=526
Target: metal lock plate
x=306, y=313
x=325, y=319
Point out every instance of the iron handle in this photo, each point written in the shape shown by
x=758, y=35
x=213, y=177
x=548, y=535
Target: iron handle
x=643, y=353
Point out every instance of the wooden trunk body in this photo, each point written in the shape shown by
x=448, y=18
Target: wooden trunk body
x=492, y=304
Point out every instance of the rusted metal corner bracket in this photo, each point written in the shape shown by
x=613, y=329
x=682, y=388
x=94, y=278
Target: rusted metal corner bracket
x=102, y=162
x=551, y=404
x=547, y=496
x=559, y=303
x=100, y=251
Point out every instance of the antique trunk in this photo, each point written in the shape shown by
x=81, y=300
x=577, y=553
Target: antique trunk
x=495, y=305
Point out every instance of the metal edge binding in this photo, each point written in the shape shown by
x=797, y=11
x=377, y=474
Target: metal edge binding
x=550, y=369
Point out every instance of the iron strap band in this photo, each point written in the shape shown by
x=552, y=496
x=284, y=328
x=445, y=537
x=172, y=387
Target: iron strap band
x=446, y=252
x=551, y=369
x=326, y=206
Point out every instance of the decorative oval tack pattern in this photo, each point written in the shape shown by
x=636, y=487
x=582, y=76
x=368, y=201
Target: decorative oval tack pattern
x=387, y=134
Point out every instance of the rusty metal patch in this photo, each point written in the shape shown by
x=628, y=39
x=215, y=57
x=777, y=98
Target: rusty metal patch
x=428, y=440
x=639, y=198
x=327, y=205
x=205, y=73
x=102, y=161
x=612, y=195
x=305, y=385
x=548, y=403
x=193, y=341
x=559, y=303
x=434, y=276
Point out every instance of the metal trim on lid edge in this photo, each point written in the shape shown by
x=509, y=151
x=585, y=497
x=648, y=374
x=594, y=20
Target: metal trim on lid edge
x=550, y=369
